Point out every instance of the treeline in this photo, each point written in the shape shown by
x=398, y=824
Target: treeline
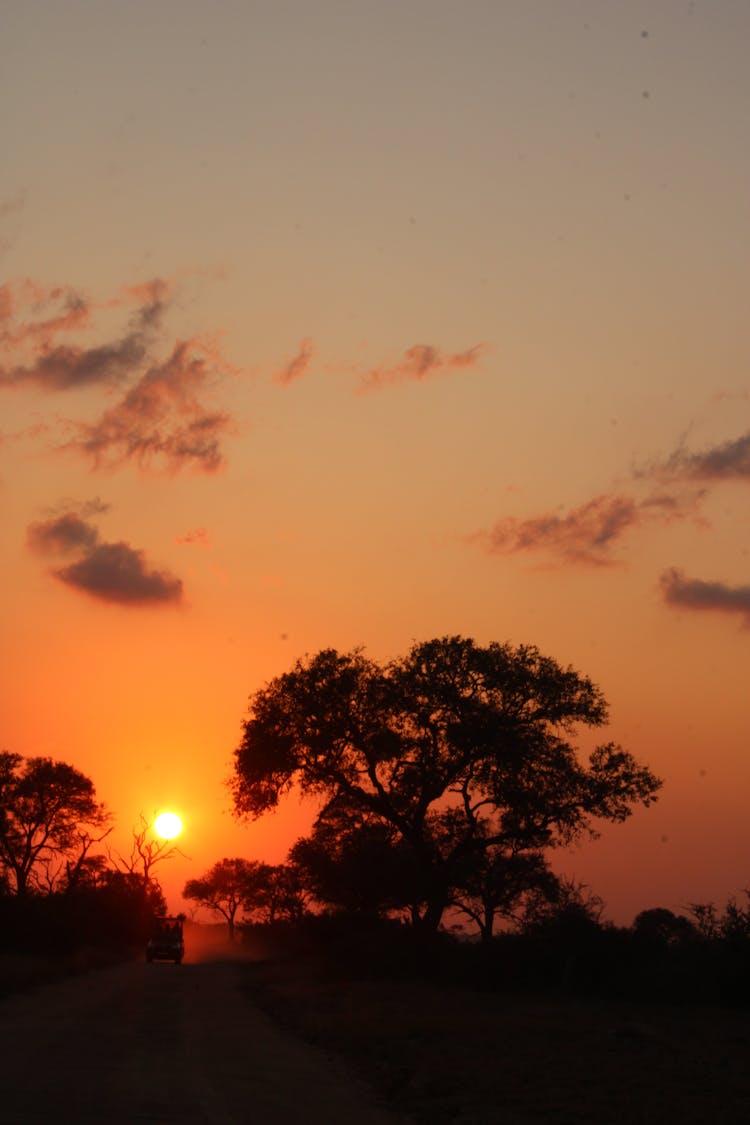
x=337, y=908
x=571, y=951
x=113, y=914
x=61, y=889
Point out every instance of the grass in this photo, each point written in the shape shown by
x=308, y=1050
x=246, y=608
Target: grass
x=447, y=1054
x=21, y=972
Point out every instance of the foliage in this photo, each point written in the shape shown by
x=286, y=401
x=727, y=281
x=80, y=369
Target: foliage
x=115, y=911
x=662, y=927
x=459, y=750
x=733, y=925
x=567, y=906
x=260, y=892
x=356, y=862
x=126, y=906
x=227, y=887
x=510, y=885
x=49, y=820
x=280, y=896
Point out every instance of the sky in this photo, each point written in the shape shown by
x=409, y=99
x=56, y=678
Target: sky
x=336, y=324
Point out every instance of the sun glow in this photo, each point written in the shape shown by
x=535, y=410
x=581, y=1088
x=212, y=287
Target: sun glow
x=168, y=825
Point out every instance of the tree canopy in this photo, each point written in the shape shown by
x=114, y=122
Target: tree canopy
x=462, y=749
x=227, y=887
x=49, y=819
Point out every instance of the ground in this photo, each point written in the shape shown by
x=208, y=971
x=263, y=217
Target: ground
x=442, y=1054
x=169, y=1045
x=248, y=1038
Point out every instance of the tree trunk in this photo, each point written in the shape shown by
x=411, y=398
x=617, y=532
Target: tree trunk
x=487, y=925
x=433, y=914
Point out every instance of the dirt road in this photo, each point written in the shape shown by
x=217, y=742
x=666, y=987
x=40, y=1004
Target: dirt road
x=167, y=1045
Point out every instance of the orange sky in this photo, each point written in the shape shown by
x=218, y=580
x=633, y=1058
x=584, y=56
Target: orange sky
x=336, y=325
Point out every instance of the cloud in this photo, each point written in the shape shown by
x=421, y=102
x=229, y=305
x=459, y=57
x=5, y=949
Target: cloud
x=85, y=508
x=695, y=593
x=419, y=363
x=116, y=572
x=33, y=314
x=297, y=366
x=58, y=366
x=728, y=461
x=62, y=535
x=196, y=537
x=161, y=422
x=111, y=572
x=586, y=534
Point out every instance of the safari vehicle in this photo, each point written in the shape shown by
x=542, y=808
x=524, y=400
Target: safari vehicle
x=167, y=943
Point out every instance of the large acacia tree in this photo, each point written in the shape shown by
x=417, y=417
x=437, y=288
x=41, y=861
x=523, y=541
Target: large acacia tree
x=228, y=887
x=461, y=748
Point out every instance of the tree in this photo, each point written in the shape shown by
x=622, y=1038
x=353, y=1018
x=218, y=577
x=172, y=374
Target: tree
x=123, y=909
x=281, y=895
x=49, y=820
x=659, y=926
x=228, y=887
x=145, y=852
x=566, y=907
x=505, y=884
x=458, y=747
x=357, y=863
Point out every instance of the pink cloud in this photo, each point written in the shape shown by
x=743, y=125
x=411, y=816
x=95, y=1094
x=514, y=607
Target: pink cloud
x=162, y=422
x=586, y=534
x=32, y=313
x=297, y=366
x=32, y=320
x=196, y=537
x=419, y=363
x=729, y=460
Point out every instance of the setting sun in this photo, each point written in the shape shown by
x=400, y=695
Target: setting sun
x=168, y=825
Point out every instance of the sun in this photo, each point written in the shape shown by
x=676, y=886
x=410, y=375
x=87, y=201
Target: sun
x=168, y=825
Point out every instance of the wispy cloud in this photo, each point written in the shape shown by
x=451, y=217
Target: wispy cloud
x=727, y=461
x=586, y=534
x=54, y=365
x=695, y=593
x=111, y=572
x=161, y=421
x=297, y=366
x=419, y=363
x=33, y=315
x=61, y=536
x=196, y=537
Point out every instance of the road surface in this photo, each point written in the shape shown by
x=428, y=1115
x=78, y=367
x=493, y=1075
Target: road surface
x=167, y=1045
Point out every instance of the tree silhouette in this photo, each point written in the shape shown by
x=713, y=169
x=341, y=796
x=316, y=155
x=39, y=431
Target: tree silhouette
x=280, y=895
x=662, y=927
x=49, y=821
x=501, y=884
x=358, y=863
x=146, y=852
x=459, y=748
x=228, y=887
